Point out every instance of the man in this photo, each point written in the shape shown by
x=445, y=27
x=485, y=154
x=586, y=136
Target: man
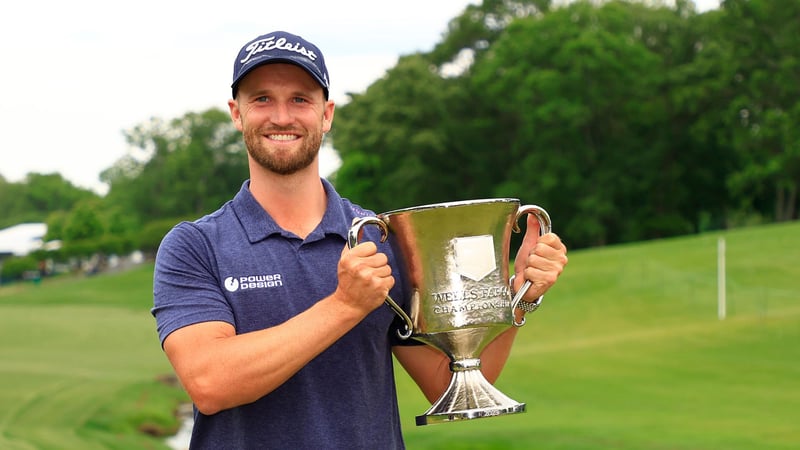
x=276, y=329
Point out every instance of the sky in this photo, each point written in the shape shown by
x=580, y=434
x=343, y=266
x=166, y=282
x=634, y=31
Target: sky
x=75, y=75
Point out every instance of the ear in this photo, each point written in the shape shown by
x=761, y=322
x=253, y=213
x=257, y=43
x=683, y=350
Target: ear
x=327, y=116
x=236, y=115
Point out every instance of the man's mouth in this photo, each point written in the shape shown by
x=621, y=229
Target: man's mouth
x=282, y=137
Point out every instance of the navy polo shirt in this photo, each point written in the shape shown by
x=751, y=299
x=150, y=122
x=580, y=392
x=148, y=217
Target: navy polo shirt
x=238, y=266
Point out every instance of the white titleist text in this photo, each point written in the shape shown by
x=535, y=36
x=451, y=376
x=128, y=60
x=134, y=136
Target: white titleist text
x=270, y=43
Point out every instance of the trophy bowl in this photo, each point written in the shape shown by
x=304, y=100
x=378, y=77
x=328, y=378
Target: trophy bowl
x=455, y=267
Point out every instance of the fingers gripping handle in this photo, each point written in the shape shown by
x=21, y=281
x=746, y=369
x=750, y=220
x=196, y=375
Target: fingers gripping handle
x=352, y=240
x=545, y=227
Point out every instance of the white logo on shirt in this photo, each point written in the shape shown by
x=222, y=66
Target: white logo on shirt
x=233, y=284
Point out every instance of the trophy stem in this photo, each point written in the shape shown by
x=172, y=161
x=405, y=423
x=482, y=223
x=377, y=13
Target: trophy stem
x=469, y=396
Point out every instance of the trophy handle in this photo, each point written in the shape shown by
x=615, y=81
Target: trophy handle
x=352, y=241
x=545, y=226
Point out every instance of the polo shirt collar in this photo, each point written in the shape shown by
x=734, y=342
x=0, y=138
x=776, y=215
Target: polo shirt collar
x=259, y=225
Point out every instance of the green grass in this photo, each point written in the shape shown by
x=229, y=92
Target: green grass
x=79, y=361
x=627, y=352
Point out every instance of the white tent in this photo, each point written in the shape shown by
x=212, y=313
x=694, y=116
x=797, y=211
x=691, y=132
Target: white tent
x=22, y=239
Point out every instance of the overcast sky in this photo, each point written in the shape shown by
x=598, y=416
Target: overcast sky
x=76, y=74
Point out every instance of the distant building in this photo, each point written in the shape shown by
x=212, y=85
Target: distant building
x=22, y=239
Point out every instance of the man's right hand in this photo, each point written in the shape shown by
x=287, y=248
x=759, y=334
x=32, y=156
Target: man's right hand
x=365, y=277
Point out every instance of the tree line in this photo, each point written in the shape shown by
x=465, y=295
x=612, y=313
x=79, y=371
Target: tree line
x=626, y=120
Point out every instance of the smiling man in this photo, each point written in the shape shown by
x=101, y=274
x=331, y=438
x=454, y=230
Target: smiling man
x=276, y=329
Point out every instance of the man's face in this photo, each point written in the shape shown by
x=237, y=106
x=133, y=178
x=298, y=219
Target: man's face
x=282, y=113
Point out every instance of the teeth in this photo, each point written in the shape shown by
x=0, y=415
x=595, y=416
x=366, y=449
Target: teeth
x=282, y=137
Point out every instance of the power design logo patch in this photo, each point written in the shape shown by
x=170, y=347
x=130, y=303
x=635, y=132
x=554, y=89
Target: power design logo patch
x=233, y=284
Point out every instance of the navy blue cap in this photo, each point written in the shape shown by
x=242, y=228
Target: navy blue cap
x=280, y=46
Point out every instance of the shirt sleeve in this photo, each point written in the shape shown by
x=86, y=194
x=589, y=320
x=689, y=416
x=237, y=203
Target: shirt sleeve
x=186, y=289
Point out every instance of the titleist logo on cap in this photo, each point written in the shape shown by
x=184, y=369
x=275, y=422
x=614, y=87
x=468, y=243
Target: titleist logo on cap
x=270, y=43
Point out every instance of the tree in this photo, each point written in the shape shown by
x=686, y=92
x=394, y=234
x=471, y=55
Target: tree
x=394, y=140
x=764, y=39
x=33, y=199
x=578, y=93
x=475, y=30
x=606, y=114
x=83, y=230
x=189, y=166
x=417, y=135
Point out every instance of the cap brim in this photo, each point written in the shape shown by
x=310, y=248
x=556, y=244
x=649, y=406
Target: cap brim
x=264, y=60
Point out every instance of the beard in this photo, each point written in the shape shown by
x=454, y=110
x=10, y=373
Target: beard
x=281, y=162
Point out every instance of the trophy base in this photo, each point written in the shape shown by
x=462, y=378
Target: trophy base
x=469, y=396
x=430, y=419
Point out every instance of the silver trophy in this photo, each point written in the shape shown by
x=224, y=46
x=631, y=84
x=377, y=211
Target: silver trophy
x=455, y=265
